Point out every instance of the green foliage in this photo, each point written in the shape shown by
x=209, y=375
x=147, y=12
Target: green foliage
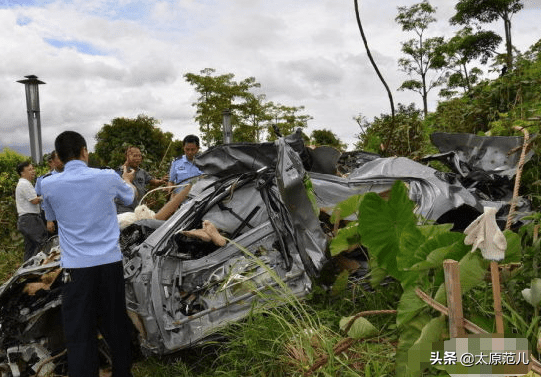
x=421, y=54
x=484, y=11
x=487, y=11
x=326, y=137
x=10, y=239
x=495, y=107
x=406, y=137
x=461, y=50
x=158, y=147
x=532, y=295
x=286, y=119
x=360, y=329
x=218, y=93
x=251, y=115
x=381, y=224
x=340, y=285
x=413, y=255
x=344, y=239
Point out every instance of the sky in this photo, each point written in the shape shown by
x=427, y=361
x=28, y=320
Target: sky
x=103, y=59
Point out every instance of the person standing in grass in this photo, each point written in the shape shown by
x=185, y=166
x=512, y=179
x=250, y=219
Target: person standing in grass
x=29, y=222
x=81, y=199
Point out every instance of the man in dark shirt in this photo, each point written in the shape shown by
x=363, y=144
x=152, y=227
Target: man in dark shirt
x=141, y=180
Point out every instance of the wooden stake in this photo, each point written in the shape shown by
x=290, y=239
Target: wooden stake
x=336, y=220
x=454, y=298
x=495, y=274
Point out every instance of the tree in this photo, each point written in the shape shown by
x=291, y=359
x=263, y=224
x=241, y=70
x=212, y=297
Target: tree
x=326, y=137
x=253, y=116
x=217, y=93
x=158, y=147
x=423, y=54
x=461, y=50
x=286, y=120
x=406, y=139
x=487, y=11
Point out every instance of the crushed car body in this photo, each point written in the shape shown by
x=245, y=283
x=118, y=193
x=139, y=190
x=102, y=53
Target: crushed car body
x=268, y=200
x=180, y=290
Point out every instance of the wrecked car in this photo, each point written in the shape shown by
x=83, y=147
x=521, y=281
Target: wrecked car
x=181, y=289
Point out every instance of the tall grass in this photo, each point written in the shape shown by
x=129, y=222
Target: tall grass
x=10, y=260
x=285, y=336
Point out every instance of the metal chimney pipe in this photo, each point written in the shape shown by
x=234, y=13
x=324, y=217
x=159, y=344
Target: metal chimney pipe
x=34, y=120
x=228, y=131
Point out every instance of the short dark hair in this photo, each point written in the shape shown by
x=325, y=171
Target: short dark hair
x=68, y=145
x=191, y=139
x=21, y=166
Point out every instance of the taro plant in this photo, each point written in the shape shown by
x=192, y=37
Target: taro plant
x=413, y=254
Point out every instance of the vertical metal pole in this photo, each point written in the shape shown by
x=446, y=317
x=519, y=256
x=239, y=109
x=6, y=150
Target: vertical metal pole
x=228, y=132
x=34, y=120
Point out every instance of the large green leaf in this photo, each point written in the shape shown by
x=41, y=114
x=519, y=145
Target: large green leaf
x=382, y=223
x=347, y=207
x=419, y=353
x=411, y=244
x=409, y=307
x=433, y=230
x=473, y=269
x=513, y=253
x=432, y=252
x=436, y=257
x=377, y=274
x=434, y=331
x=344, y=239
x=408, y=337
x=438, y=241
x=361, y=328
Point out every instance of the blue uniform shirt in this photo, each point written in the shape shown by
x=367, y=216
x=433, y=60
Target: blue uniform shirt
x=182, y=169
x=81, y=200
x=40, y=178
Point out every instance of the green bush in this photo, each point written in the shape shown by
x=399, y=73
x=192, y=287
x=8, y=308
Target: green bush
x=11, y=241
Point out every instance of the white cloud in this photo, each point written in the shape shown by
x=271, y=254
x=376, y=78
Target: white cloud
x=123, y=58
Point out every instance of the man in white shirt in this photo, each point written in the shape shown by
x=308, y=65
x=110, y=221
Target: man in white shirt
x=29, y=223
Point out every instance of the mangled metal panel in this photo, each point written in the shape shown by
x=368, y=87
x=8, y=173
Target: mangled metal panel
x=309, y=239
x=239, y=158
x=427, y=187
x=30, y=325
x=486, y=166
x=490, y=154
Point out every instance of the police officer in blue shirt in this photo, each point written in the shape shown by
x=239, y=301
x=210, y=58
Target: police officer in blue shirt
x=182, y=168
x=55, y=166
x=81, y=199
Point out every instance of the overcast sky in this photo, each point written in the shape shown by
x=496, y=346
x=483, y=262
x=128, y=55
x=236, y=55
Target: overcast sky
x=104, y=59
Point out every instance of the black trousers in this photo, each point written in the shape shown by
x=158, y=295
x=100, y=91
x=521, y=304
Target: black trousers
x=95, y=299
x=34, y=232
